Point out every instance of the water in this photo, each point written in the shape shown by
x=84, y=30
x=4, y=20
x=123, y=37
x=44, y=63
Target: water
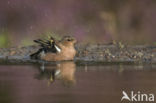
x=70, y=83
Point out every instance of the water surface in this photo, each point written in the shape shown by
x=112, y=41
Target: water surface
x=70, y=83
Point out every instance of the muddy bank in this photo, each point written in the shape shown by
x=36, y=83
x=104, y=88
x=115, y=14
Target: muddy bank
x=88, y=53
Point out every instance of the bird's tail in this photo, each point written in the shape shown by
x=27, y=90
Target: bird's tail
x=36, y=54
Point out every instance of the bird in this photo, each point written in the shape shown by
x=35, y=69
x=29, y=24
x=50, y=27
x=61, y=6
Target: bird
x=68, y=52
x=57, y=50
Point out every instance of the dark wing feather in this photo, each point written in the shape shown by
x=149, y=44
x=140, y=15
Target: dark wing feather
x=47, y=46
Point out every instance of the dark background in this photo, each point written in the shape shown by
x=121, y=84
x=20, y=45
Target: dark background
x=130, y=21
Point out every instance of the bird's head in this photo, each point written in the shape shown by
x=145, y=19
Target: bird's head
x=68, y=40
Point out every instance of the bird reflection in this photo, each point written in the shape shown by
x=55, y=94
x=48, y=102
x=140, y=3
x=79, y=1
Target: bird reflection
x=63, y=71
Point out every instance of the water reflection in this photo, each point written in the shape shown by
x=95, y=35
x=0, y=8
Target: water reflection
x=63, y=71
x=95, y=83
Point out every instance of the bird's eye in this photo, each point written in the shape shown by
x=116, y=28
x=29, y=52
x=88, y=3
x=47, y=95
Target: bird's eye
x=68, y=39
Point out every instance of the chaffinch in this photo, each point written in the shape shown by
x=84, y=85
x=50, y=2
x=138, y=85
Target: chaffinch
x=53, y=50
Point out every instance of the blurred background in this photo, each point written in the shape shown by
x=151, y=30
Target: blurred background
x=92, y=21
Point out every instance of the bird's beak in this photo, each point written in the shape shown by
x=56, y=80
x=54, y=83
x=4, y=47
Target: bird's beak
x=74, y=40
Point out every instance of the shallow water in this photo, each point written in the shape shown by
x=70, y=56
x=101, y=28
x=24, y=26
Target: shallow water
x=70, y=83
